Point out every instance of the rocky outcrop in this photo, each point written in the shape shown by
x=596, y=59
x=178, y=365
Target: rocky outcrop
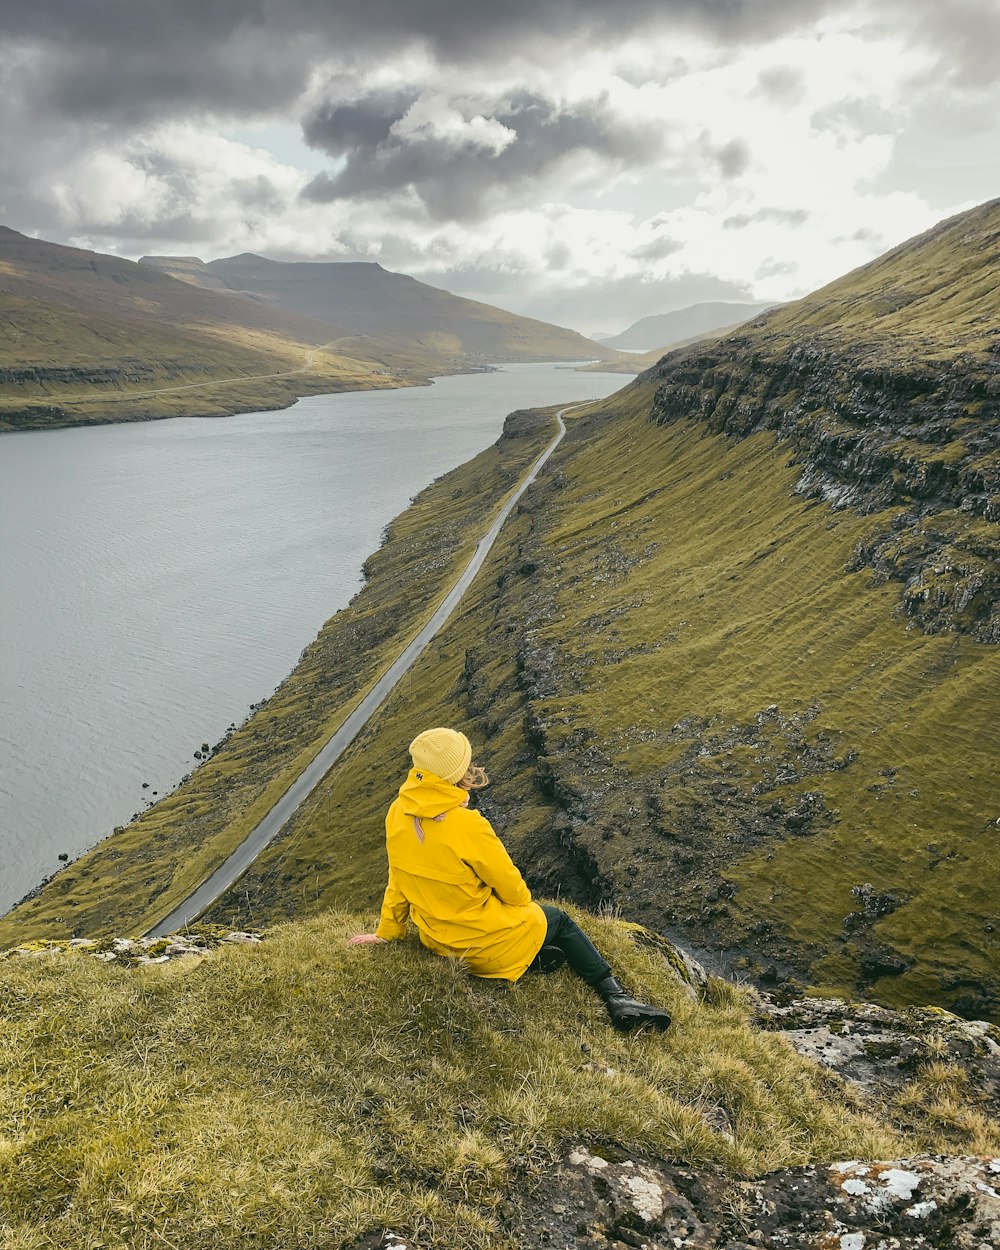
x=132, y=952
x=600, y=1199
x=598, y=1196
x=125, y=372
x=918, y=436
x=878, y=1052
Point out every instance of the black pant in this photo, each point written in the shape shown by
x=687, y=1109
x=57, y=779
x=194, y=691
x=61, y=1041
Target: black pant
x=581, y=953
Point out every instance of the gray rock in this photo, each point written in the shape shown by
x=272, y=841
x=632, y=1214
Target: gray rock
x=878, y=1050
x=598, y=1200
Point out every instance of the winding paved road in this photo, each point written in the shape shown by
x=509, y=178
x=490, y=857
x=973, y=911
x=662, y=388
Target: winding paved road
x=271, y=825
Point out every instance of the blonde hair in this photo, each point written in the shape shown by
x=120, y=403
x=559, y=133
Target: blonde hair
x=475, y=778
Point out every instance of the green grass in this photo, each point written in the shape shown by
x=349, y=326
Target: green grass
x=301, y=1092
x=117, y=362
x=934, y=298
x=746, y=602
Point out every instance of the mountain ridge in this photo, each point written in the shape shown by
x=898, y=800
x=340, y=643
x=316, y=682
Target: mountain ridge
x=663, y=330
x=371, y=299
x=95, y=338
x=88, y=335
x=906, y=417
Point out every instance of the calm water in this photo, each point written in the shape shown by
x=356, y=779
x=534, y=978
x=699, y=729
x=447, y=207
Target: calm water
x=158, y=578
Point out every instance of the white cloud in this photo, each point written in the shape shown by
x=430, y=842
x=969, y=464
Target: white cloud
x=771, y=168
x=433, y=117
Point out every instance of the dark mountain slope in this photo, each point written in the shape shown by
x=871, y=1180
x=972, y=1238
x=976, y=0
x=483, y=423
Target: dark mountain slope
x=372, y=300
x=99, y=285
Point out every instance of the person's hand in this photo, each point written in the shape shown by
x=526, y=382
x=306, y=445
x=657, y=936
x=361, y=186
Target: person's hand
x=364, y=939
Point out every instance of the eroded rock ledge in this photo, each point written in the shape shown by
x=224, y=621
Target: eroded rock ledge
x=916, y=440
x=132, y=952
x=596, y=1200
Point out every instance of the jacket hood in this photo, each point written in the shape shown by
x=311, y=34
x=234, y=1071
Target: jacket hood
x=425, y=794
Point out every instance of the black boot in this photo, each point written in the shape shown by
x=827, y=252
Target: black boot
x=628, y=1013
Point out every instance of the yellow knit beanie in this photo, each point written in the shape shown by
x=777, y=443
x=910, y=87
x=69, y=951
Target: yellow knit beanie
x=444, y=752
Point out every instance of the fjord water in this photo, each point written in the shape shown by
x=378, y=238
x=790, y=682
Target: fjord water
x=158, y=578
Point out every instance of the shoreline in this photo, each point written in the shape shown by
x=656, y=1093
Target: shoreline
x=65, y=877
x=265, y=403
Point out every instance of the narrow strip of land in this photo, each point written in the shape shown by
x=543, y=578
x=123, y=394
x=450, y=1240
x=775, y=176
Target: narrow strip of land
x=191, y=386
x=271, y=825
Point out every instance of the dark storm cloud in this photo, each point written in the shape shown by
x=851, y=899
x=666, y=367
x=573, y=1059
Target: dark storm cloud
x=966, y=34
x=339, y=127
x=558, y=257
x=782, y=83
x=259, y=194
x=458, y=175
x=122, y=60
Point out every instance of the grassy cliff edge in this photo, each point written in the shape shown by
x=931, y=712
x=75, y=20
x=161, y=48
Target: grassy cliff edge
x=300, y=1093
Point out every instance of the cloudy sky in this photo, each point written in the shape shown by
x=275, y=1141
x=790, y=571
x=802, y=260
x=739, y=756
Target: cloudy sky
x=584, y=161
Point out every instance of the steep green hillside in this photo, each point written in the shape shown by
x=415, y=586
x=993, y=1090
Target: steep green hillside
x=373, y=300
x=700, y=703
x=689, y=663
x=301, y=1092
x=885, y=385
x=694, y=711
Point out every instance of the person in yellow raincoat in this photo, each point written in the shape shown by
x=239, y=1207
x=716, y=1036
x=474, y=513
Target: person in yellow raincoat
x=452, y=876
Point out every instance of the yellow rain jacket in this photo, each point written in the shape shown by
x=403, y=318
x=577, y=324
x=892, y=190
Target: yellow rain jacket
x=451, y=875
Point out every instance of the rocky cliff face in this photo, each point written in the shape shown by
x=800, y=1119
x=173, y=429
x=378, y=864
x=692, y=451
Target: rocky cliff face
x=920, y=445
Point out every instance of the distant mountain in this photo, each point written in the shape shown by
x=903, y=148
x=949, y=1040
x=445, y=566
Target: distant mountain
x=84, y=332
x=373, y=300
x=94, y=338
x=670, y=329
x=95, y=284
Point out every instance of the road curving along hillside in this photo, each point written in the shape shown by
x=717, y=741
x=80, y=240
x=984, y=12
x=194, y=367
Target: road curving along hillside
x=281, y=812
